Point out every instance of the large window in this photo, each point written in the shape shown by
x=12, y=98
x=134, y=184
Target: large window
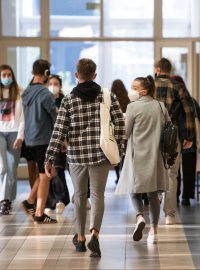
x=20, y=18
x=125, y=18
x=75, y=18
x=116, y=62
x=181, y=18
x=124, y=37
x=21, y=59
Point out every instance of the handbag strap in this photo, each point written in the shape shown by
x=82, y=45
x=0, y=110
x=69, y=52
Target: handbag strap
x=162, y=110
x=195, y=111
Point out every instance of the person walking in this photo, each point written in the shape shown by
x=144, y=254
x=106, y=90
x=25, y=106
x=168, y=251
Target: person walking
x=118, y=88
x=11, y=136
x=58, y=196
x=79, y=120
x=188, y=156
x=40, y=115
x=175, y=98
x=143, y=170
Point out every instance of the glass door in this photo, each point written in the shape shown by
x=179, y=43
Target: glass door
x=180, y=54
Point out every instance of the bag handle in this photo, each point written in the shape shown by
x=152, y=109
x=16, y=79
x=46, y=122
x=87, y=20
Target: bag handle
x=106, y=97
x=162, y=111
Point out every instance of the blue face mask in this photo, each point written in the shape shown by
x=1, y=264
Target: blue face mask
x=6, y=81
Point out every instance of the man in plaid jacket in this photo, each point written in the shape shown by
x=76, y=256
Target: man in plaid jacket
x=79, y=120
x=174, y=97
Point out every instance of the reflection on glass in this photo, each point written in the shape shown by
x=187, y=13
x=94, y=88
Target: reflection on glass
x=74, y=18
x=178, y=58
x=128, y=18
x=115, y=60
x=181, y=18
x=21, y=59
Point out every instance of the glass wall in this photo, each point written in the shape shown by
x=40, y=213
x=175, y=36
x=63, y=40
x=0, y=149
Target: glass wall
x=21, y=60
x=122, y=36
x=74, y=18
x=181, y=18
x=116, y=61
x=128, y=18
x=20, y=18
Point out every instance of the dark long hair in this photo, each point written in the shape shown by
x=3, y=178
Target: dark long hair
x=119, y=89
x=14, y=91
x=58, y=77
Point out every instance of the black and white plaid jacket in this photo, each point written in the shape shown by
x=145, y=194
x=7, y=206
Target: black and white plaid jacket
x=79, y=122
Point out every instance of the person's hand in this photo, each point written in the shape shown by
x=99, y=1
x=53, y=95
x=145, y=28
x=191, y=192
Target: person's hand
x=187, y=144
x=64, y=147
x=50, y=170
x=17, y=144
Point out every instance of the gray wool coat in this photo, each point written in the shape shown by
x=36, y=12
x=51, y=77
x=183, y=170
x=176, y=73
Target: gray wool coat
x=143, y=169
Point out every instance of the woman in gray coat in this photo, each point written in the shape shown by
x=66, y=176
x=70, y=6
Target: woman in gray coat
x=143, y=170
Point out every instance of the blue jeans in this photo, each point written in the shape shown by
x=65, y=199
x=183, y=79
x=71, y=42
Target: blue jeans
x=9, y=159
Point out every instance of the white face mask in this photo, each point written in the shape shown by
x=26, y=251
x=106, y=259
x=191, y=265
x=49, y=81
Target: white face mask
x=133, y=95
x=54, y=89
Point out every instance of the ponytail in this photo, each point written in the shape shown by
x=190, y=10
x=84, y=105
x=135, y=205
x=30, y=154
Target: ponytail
x=148, y=84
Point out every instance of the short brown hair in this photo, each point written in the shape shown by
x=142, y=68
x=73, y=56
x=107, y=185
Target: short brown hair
x=86, y=69
x=41, y=67
x=164, y=64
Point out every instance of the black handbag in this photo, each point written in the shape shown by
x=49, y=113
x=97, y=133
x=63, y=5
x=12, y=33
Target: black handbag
x=168, y=142
x=58, y=192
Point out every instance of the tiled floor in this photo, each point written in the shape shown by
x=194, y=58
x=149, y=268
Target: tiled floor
x=24, y=245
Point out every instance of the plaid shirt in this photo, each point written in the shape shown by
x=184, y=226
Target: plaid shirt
x=79, y=122
x=171, y=92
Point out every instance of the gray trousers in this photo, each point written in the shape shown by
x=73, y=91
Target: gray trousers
x=9, y=159
x=154, y=206
x=170, y=199
x=97, y=175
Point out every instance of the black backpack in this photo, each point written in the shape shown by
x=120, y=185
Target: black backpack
x=168, y=142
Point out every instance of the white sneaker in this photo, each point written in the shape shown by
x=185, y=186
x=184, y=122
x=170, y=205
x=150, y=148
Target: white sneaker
x=88, y=205
x=152, y=238
x=137, y=234
x=48, y=211
x=170, y=220
x=60, y=207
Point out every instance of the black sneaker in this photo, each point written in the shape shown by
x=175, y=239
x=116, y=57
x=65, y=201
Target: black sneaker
x=5, y=207
x=28, y=208
x=185, y=202
x=93, y=246
x=80, y=245
x=44, y=219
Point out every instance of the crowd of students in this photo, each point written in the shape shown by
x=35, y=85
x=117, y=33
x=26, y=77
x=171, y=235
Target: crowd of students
x=57, y=130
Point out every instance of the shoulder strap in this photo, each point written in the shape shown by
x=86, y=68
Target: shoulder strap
x=162, y=110
x=195, y=111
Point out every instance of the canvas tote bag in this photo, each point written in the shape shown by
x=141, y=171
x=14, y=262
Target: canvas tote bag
x=108, y=143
